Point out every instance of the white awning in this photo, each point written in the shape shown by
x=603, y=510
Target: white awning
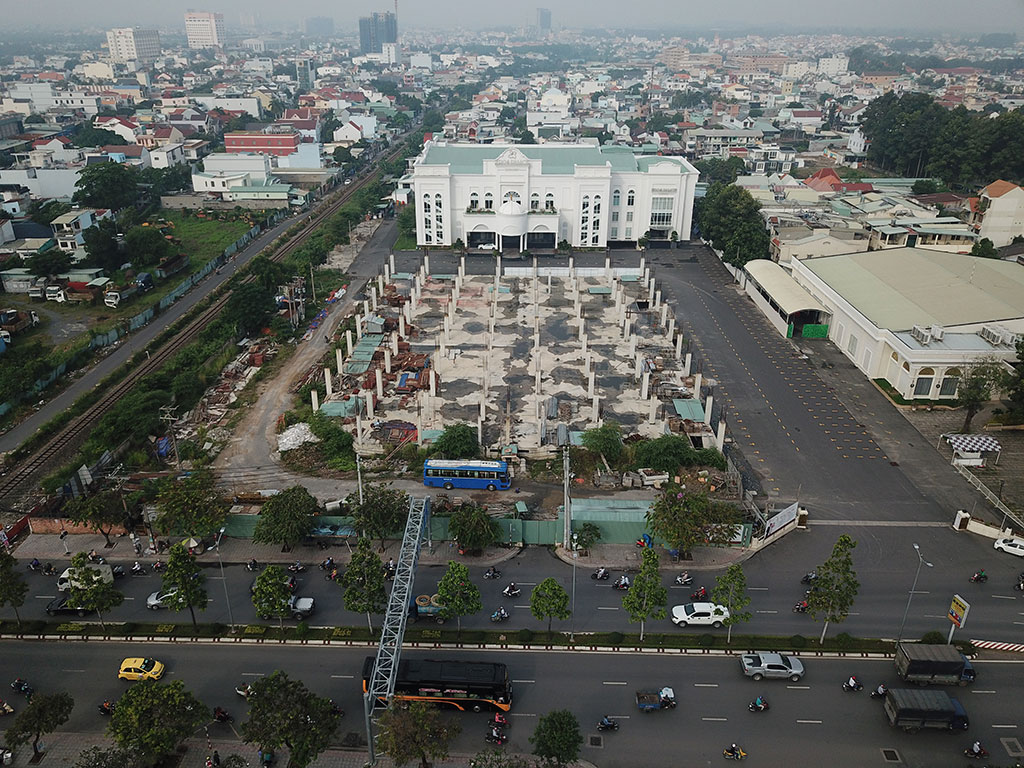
x=783, y=289
x=973, y=443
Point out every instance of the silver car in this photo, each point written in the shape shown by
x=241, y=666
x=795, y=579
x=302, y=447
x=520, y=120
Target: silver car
x=159, y=599
x=774, y=665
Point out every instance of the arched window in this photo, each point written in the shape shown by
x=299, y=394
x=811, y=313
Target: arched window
x=549, y=202
x=534, y=202
x=488, y=202
x=437, y=199
x=950, y=382
x=426, y=203
x=616, y=198
x=923, y=385
x=597, y=204
x=586, y=203
x=512, y=197
x=630, y=198
x=474, y=201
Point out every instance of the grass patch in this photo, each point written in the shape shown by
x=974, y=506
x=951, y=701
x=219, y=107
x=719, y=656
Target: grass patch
x=892, y=394
x=206, y=238
x=405, y=243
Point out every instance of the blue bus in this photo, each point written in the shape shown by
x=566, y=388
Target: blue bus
x=466, y=473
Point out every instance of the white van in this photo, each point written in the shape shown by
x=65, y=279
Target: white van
x=64, y=581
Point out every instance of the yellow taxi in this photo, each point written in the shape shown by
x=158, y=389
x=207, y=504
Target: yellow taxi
x=140, y=669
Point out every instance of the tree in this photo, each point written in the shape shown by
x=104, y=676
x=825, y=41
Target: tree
x=985, y=248
x=557, y=738
x=48, y=263
x=286, y=518
x=647, y=596
x=88, y=589
x=1013, y=384
x=145, y=246
x=152, y=718
x=731, y=591
x=100, y=512
x=406, y=221
x=45, y=713
x=342, y=155
x=102, y=246
x=978, y=381
x=418, y=731
x=364, y=583
x=493, y=758
x=382, y=512
x=729, y=217
x=45, y=213
x=458, y=441
x=191, y=506
x=723, y=171
x=110, y=757
x=283, y=712
x=106, y=185
x=13, y=587
x=925, y=187
x=549, y=600
x=687, y=519
x=605, y=440
x=458, y=595
x=183, y=582
x=526, y=137
x=270, y=593
x=834, y=590
x=250, y=306
x=87, y=136
x=472, y=527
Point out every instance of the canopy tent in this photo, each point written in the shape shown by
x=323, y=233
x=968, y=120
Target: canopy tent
x=968, y=449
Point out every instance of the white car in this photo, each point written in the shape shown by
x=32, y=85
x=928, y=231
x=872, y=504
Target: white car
x=700, y=615
x=487, y=247
x=1012, y=545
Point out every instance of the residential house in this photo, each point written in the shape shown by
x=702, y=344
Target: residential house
x=998, y=213
x=167, y=156
x=126, y=129
x=68, y=229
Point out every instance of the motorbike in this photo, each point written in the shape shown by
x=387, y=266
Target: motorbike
x=327, y=565
x=623, y=585
x=222, y=716
x=94, y=558
x=809, y=578
x=35, y=565
x=252, y=565
x=21, y=686
x=336, y=710
x=5, y=708
x=1019, y=586
x=492, y=573
x=607, y=725
x=684, y=579
x=700, y=594
x=510, y=592
x=244, y=690
x=857, y=685
x=49, y=570
x=500, y=721
x=159, y=565
x=498, y=738
x=296, y=567
x=499, y=615
x=879, y=692
x=979, y=578
x=106, y=708
x=755, y=707
x=729, y=754
x=981, y=754
x=332, y=575
x=140, y=571
x=800, y=607
x=601, y=574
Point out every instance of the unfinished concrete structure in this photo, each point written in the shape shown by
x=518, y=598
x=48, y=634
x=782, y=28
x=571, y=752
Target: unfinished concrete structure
x=532, y=355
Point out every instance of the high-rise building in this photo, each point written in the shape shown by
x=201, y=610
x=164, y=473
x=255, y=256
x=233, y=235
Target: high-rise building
x=377, y=29
x=127, y=44
x=544, y=19
x=204, y=30
x=320, y=26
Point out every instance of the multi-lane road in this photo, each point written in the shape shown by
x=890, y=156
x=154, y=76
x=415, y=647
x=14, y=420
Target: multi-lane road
x=812, y=722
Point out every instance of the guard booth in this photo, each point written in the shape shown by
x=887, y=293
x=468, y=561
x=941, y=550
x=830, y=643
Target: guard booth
x=786, y=303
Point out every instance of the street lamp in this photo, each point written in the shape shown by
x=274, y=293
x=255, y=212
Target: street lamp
x=920, y=561
x=224, y=581
x=572, y=614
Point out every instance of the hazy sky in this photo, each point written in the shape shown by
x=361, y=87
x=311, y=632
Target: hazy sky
x=926, y=15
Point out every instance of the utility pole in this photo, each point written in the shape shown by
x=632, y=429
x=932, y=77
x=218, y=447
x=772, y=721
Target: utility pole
x=312, y=282
x=167, y=416
x=566, y=502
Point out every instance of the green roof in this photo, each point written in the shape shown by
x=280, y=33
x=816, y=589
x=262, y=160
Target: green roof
x=689, y=409
x=555, y=160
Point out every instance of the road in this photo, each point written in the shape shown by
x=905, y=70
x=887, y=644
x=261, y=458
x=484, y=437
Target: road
x=138, y=340
x=810, y=723
x=997, y=611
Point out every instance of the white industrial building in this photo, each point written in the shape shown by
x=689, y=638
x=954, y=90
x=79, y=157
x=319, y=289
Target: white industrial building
x=204, y=30
x=127, y=44
x=519, y=197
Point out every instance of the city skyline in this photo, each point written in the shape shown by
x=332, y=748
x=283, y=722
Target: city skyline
x=925, y=17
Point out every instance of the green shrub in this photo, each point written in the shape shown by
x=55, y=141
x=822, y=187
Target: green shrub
x=129, y=627
x=798, y=641
x=844, y=640
x=933, y=638
x=706, y=640
x=301, y=630
x=473, y=636
x=616, y=638
x=524, y=635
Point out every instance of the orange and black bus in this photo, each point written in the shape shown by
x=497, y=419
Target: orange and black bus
x=464, y=685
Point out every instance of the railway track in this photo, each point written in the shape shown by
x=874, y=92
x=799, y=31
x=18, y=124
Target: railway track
x=69, y=436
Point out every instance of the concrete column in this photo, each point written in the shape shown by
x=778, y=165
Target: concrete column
x=426, y=263
x=462, y=265
x=645, y=385
x=485, y=379
x=632, y=345
x=583, y=329
x=359, y=327
x=647, y=276
x=433, y=381
x=657, y=297
x=413, y=298
x=650, y=292
x=348, y=342
x=671, y=324
x=401, y=326
x=696, y=385
x=373, y=297
x=707, y=409
x=419, y=428
x=549, y=284
x=407, y=312
x=497, y=266
x=572, y=274
x=643, y=263
x=359, y=430
x=337, y=359
x=608, y=268
x=483, y=408
x=720, y=437
x=391, y=262
x=368, y=399
x=314, y=397
x=536, y=380
x=664, y=316
x=689, y=357
x=480, y=431
x=652, y=416
x=380, y=281
x=639, y=367
x=387, y=360
x=447, y=330
x=380, y=383
x=590, y=383
x=441, y=348
x=328, y=383
x=583, y=342
x=596, y=410
x=394, y=342
x=366, y=308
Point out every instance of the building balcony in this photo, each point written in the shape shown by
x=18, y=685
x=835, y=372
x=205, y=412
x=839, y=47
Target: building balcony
x=486, y=211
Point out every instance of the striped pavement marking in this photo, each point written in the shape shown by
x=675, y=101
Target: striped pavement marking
x=993, y=646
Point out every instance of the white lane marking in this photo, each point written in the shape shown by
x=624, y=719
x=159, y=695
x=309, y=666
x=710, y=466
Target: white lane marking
x=618, y=717
x=982, y=691
x=757, y=589
x=1004, y=597
x=520, y=606
x=1016, y=622
x=715, y=719
x=765, y=611
x=1004, y=726
x=810, y=722
x=523, y=714
x=129, y=598
x=253, y=674
x=342, y=677
x=614, y=682
x=799, y=687
x=705, y=685
x=45, y=597
x=216, y=578
x=933, y=616
x=524, y=681
x=527, y=583
x=919, y=592
x=606, y=608
x=72, y=670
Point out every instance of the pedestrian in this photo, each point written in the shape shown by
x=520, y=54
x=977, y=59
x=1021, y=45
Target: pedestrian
x=326, y=340
x=209, y=762
x=216, y=759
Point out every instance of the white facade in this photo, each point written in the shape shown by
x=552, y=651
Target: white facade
x=1000, y=215
x=833, y=65
x=167, y=156
x=531, y=196
x=204, y=30
x=127, y=44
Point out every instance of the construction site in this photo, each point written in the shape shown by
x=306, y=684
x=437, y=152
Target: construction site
x=531, y=355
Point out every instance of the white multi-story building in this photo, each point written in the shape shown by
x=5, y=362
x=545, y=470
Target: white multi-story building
x=204, y=30
x=833, y=65
x=519, y=197
x=998, y=213
x=127, y=44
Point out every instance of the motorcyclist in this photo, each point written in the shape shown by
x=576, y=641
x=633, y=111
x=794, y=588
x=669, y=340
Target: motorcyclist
x=93, y=556
x=701, y=593
x=253, y=565
x=220, y=715
x=601, y=572
x=623, y=581
x=334, y=574
x=880, y=690
x=328, y=564
x=759, y=702
x=108, y=706
x=980, y=574
x=976, y=747
x=137, y=568
x=852, y=682
x=491, y=573
x=496, y=732
x=502, y=613
x=34, y=565
x=390, y=567
x=606, y=722
x=510, y=590
x=733, y=750
x=49, y=570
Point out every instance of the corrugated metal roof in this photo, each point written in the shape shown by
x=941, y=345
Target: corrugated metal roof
x=689, y=409
x=784, y=290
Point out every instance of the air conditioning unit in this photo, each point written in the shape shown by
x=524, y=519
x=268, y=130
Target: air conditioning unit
x=992, y=334
x=1010, y=338
x=937, y=332
x=921, y=333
